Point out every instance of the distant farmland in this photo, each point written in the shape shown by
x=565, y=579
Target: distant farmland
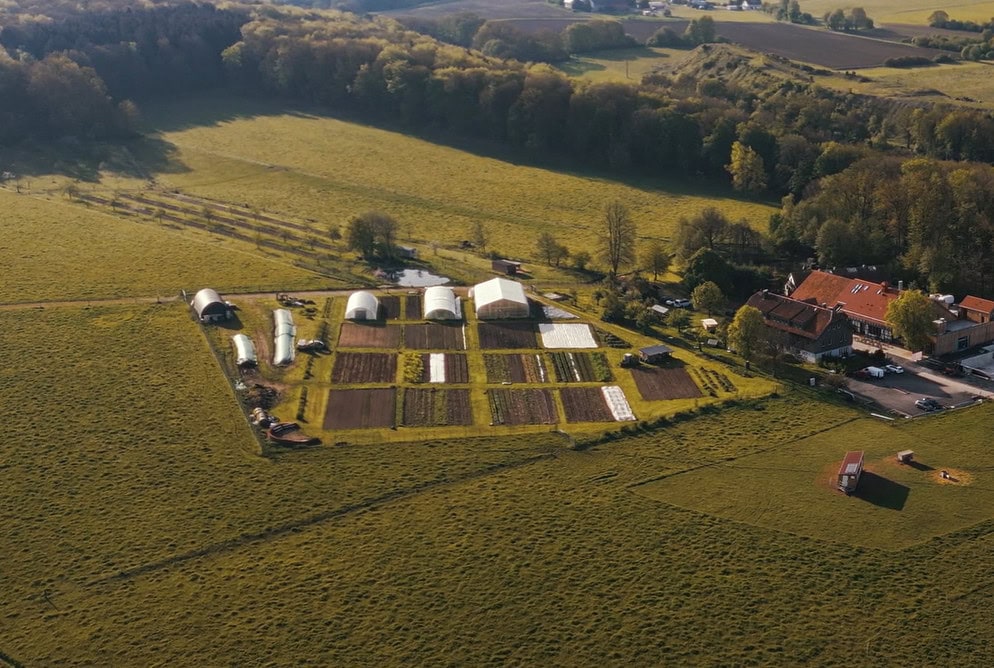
x=809, y=45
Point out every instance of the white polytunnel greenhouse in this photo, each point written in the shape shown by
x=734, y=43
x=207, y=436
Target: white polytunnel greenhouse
x=441, y=303
x=244, y=350
x=283, y=334
x=362, y=305
x=500, y=298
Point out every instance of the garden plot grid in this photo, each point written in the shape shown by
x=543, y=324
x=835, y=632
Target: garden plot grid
x=566, y=335
x=445, y=368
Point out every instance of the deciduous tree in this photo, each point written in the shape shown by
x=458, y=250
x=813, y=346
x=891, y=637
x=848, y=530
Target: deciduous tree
x=746, y=331
x=618, y=242
x=911, y=317
x=656, y=259
x=708, y=297
x=747, y=169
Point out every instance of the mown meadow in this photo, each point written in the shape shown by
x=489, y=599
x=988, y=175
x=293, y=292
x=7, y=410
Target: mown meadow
x=327, y=170
x=57, y=250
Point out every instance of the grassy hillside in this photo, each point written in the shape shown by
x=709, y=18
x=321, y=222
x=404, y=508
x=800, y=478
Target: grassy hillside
x=908, y=11
x=55, y=250
x=328, y=170
x=161, y=522
x=941, y=83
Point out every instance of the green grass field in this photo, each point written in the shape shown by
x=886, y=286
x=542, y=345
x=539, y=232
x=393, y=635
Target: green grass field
x=790, y=487
x=911, y=11
x=971, y=80
x=55, y=250
x=622, y=64
x=327, y=170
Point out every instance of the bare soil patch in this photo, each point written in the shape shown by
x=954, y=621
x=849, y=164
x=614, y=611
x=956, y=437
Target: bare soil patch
x=353, y=368
x=435, y=336
x=412, y=307
x=656, y=383
x=435, y=407
x=357, y=335
x=361, y=409
x=585, y=404
x=507, y=335
x=390, y=307
x=522, y=407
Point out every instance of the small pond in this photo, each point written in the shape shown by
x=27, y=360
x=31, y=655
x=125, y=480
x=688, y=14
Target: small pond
x=417, y=278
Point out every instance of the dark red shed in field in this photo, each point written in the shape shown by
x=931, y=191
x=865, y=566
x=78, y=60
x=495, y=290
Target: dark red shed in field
x=850, y=471
x=508, y=267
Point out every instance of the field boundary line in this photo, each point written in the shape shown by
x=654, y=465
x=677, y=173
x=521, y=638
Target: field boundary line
x=290, y=527
x=8, y=660
x=640, y=483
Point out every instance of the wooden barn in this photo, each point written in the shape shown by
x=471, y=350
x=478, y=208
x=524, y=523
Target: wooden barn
x=507, y=267
x=850, y=471
x=654, y=354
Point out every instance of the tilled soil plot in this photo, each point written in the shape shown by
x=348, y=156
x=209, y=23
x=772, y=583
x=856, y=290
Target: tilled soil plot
x=657, y=384
x=507, y=335
x=351, y=368
x=585, y=404
x=355, y=335
x=522, y=407
x=361, y=409
x=435, y=407
x=412, y=308
x=456, y=369
x=390, y=307
x=435, y=336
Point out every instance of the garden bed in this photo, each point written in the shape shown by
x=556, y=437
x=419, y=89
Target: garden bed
x=353, y=368
x=507, y=335
x=356, y=335
x=434, y=407
x=522, y=407
x=361, y=409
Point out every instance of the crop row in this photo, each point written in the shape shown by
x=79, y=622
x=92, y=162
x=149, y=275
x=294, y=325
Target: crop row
x=705, y=381
x=580, y=367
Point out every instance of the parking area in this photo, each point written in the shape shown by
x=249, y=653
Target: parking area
x=899, y=391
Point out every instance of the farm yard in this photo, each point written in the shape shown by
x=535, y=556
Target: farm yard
x=352, y=368
x=580, y=367
x=435, y=336
x=355, y=335
x=360, y=409
x=514, y=368
x=507, y=335
x=517, y=407
x=566, y=335
x=656, y=383
x=436, y=407
x=585, y=404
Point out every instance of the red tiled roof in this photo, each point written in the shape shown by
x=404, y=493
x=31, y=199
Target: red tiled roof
x=859, y=299
x=972, y=303
x=791, y=315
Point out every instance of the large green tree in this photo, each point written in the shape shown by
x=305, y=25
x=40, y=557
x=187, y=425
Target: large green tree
x=655, y=259
x=708, y=297
x=747, y=169
x=911, y=317
x=745, y=334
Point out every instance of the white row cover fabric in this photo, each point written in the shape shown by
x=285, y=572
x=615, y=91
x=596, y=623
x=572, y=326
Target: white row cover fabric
x=362, y=305
x=500, y=298
x=284, y=331
x=441, y=303
x=617, y=403
x=244, y=350
x=436, y=368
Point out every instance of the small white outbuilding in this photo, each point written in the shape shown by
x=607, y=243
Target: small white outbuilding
x=209, y=306
x=500, y=298
x=441, y=303
x=362, y=305
x=244, y=350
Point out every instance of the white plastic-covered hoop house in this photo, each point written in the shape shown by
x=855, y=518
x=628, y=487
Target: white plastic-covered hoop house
x=209, y=306
x=441, y=303
x=244, y=350
x=283, y=334
x=500, y=298
x=362, y=305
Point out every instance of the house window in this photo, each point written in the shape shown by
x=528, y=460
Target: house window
x=962, y=343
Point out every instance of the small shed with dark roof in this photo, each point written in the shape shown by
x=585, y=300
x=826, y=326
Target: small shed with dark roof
x=655, y=354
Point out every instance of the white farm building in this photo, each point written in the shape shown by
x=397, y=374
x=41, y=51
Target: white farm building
x=441, y=303
x=244, y=350
x=362, y=306
x=283, y=333
x=500, y=298
x=209, y=306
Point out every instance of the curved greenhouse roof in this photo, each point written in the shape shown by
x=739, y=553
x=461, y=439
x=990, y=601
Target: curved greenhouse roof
x=362, y=305
x=500, y=298
x=207, y=302
x=441, y=303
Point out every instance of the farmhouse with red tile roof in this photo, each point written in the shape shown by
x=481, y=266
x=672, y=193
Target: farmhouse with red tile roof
x=807, y=330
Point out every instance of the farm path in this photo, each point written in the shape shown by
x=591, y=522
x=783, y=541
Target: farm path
x=280, y=530
x=13, y=306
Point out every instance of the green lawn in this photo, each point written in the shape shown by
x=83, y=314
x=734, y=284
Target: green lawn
x=326, y=170
x=621, y=64
x=790, y=487
x=971, y=80
x=55, y=250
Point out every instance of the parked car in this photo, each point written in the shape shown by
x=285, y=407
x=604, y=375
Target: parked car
x=894, y=368
x=678, y=303
x=928, y=404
